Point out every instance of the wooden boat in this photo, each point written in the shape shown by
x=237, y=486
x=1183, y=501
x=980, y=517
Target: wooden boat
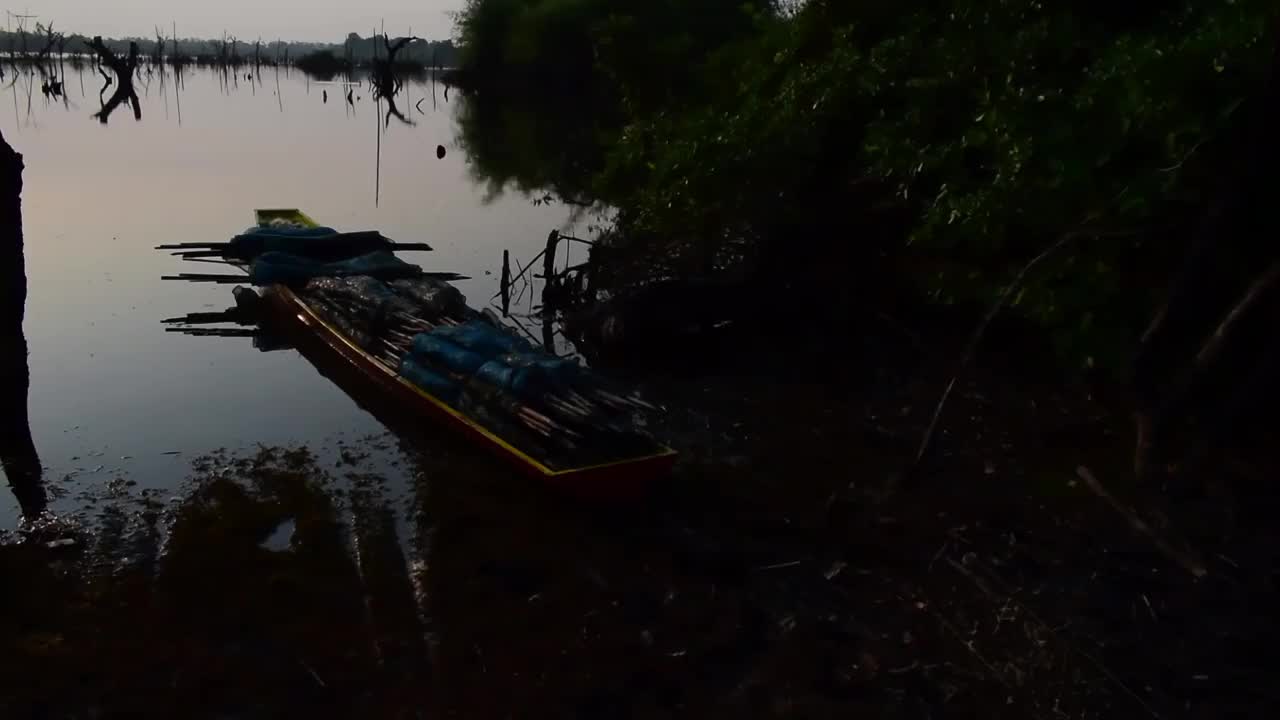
x=604, y=479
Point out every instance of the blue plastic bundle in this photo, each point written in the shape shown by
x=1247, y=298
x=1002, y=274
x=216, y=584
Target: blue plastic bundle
x=276, y=267
x=429, y=380
x=298, y=241
x=431, y=348
x=529, y=383
x=285, y=231
x=532, y=383
x=484, y=339
x=496, y=374
x=381, y=264
x=564, y=370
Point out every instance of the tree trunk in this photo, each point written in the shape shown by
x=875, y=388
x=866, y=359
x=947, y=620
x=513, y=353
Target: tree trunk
x=17, y=450
x=1234, y=237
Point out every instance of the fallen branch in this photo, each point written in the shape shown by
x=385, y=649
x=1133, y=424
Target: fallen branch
x=1184, y=559
x=1213, y=347
x=967, y=356
x=1002, y=598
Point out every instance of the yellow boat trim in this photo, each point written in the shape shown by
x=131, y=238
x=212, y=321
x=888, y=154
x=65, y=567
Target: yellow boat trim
x=265, y=216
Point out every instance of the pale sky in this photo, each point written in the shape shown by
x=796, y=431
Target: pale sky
x=312, y=20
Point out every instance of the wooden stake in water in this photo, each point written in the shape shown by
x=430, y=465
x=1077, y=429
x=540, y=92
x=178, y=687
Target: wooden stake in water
x=505, y=285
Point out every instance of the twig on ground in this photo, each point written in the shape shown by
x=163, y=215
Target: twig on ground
x=781, y=566
x=310, y=671
x=972, y=648
x=1069, y=646
x=967, y=356
x=1182, y=558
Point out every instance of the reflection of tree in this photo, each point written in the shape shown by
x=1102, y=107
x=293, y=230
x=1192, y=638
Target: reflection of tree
x=17, y=450
x=236, y=617
x=392, y=110
x=124, y=69
x=532, y=146
x=322, y=617
x=386, y=83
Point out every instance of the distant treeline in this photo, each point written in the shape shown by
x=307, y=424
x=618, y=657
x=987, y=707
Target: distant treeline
x=356, y=49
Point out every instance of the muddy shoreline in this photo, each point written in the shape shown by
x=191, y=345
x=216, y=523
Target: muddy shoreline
x=785, y=571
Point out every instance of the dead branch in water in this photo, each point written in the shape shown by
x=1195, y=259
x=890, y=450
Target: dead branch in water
x=385, y=82
x=124, y=69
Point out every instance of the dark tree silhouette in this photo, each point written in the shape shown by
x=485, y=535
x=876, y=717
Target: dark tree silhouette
x=124, y=69
x=385, y=83
x=17, y=450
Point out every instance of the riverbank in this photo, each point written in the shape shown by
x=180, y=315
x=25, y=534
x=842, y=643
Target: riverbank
x=787, y=570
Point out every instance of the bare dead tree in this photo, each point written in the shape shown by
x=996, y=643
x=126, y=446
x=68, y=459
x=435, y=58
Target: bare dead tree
x=50, y=41
x=385, y=82
x=158, y=57
x=393, y=111
x=386, y=85
x=124, y=69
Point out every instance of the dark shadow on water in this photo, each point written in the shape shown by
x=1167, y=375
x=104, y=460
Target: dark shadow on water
x=539, y=147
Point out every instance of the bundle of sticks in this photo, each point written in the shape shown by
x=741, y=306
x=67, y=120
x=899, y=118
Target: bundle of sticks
x=566, y=417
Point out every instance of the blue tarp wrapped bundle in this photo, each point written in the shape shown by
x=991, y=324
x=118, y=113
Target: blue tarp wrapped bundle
x=282, y=235
x=433, y=382
x=323, y=244
x=484, y=339
x=535, y=373
x=494, y=359
x=272, y=232
x=277, y=267
x=563, y=370
x=434, y=349
x=294, y=240
x=527, y=383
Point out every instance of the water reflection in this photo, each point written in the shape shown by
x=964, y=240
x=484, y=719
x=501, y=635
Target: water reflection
x=547, y=149
x=124, y=68
x=18, y=454
x=112, y=395
x=17, y=449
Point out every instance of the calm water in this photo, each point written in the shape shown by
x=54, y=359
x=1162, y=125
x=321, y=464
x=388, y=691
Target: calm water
x=111, y=392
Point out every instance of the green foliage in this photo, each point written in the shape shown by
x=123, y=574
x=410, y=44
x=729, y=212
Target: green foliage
x=997, y=126
x=629, y=46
